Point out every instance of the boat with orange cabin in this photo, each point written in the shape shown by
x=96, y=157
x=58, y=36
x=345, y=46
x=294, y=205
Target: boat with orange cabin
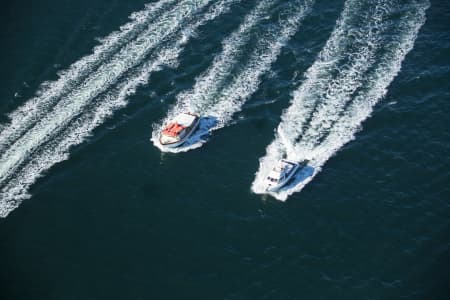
x=179, y=129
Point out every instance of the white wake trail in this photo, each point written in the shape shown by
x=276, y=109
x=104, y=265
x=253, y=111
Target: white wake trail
x=14, y=188
x=17, y=189
x=49, y=93
x=362, y=106
x=208, y=83
x=351, y=77
x=217, y=101
x=337, y=54
x=346, y=99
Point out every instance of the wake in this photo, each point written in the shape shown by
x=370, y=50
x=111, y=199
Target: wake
x=40, y=136
x=217, y=94
x=351, y=74
x=50, y=93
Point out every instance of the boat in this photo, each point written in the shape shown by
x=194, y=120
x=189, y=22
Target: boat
x=283, y=171
x=179, y=129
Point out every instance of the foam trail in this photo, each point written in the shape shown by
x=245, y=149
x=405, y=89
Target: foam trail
x=209, y=82
x=342, y=112
x=351, y=77
x=24, y=117
x=360, y=109
x=338, y=54
x=60, y=116
x=217, y=101
x=58, y=149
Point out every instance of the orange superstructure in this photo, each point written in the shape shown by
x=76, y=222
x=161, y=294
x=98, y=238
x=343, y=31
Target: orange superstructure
x=178, y=130
x=173, y=129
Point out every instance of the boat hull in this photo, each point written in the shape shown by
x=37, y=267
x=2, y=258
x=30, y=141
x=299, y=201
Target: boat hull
x=276, y=187
x=184, y=139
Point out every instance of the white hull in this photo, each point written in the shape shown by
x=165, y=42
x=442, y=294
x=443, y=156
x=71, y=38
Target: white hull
x=184, y=139
x=275, y=188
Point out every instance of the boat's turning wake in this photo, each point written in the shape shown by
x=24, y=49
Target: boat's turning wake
x=65, y=112
x=350, y=75
x=217, y=94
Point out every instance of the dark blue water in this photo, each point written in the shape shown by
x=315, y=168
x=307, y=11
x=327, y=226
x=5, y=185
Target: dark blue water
x=91, y=209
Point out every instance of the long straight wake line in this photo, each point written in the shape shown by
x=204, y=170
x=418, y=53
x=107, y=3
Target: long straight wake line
x=207, y=85
x=362, y=106
x=246, y=82
x=350, y=78
x=58, y=150
x=24, y=117
x=290, y=138
x=320, y=78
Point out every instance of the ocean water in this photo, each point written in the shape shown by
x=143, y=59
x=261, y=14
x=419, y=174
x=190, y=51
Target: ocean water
x=91, y=206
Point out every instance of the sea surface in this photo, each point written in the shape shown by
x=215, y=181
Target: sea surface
x=92, y=207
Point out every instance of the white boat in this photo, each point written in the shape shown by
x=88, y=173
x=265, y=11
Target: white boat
x=178, y=130
x=283, y=171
